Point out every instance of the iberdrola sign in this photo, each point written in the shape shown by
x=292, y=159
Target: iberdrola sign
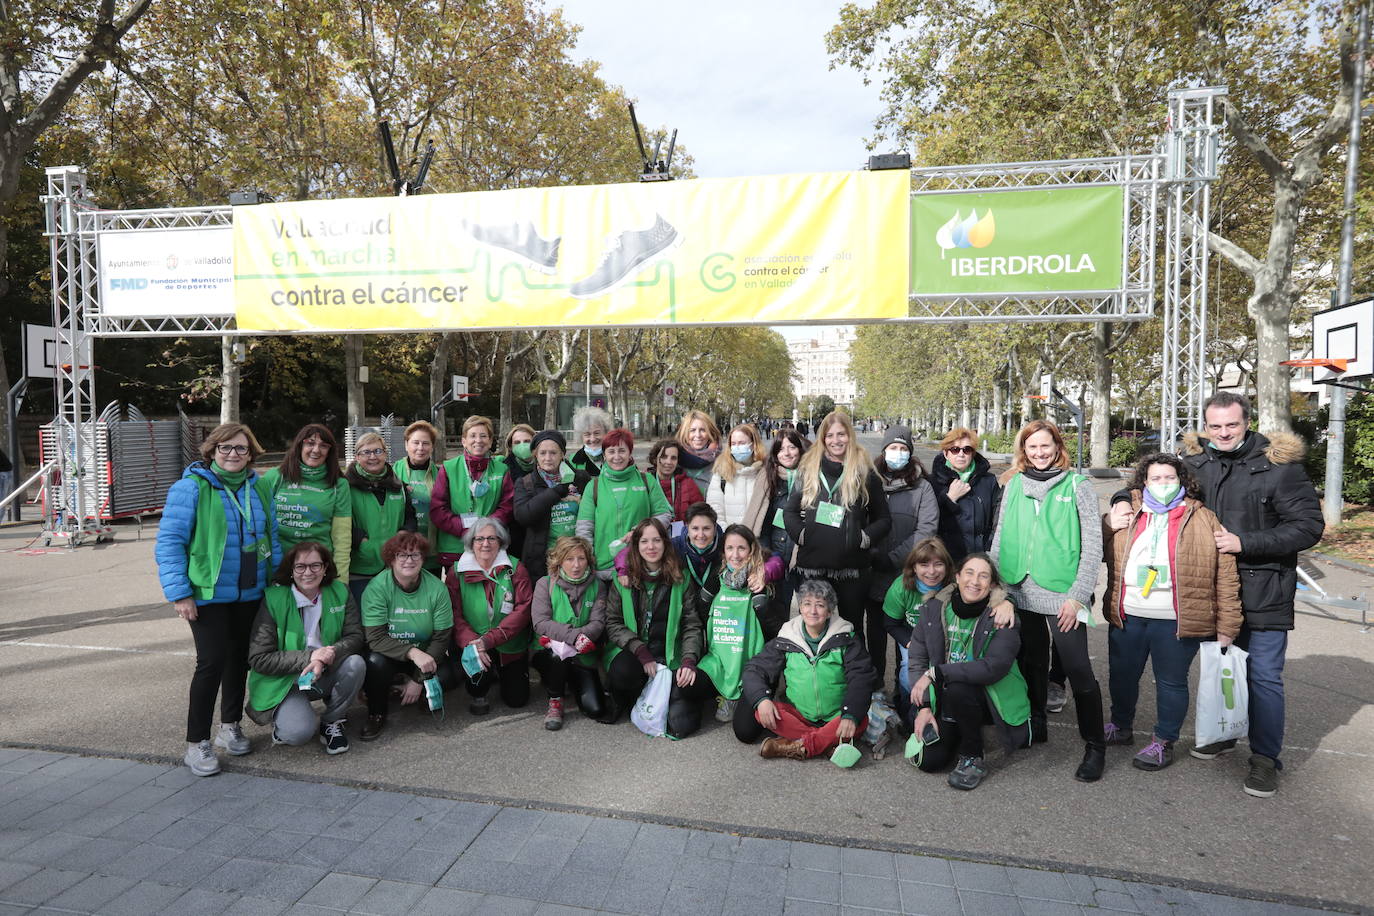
x=1036, y=241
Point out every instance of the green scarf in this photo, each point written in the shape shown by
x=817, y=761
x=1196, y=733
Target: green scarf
x=210, y=535
x=563, y=612
x=314, y=475
x=1043, y=545
x=266, y=691
x=627, y=609
x=620, y=500
x=967, y=473
x=733, y=636
x=231, y=479
x=483, y=615
x=365, y=474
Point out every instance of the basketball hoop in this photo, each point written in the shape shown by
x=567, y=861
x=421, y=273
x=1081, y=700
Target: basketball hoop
x=1335, y=365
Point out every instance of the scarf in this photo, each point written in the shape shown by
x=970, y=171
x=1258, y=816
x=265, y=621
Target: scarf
x=550, y=480
x=384, y=481
x=569, y=579
x=707, y=454
x=1047, y=474
x=926, y=589
x=734, y=578
x=231, y=479
x=966, y=610
x=314, y=475
x=418, y=467
x=1159, y=508
x=477, y=465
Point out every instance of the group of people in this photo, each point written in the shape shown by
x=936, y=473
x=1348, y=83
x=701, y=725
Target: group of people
x=772, y=580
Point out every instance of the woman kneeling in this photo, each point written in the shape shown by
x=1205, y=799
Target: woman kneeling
x=963, y=674
x=828, y=679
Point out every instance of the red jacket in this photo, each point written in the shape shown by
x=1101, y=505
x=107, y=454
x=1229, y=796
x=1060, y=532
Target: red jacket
x=681, y=491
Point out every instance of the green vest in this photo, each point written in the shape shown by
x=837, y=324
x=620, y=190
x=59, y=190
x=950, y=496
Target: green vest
x=483, y=616
x=209, y=537
x=1008, y=695
x=461, y=502
x=733, y=636
x=562, y=612
x=421, y=485
x=266, y=691
x=619, y=501
x=380, y=522
x=815, y=685
x=672, y=651
x=1043, y=545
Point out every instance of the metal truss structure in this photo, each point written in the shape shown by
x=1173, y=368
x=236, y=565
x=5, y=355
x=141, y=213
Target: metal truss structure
x=1180, y=171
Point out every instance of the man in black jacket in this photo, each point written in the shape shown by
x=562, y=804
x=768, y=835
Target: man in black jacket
x=1269, y=511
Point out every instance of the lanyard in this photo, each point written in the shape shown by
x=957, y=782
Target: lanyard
x=498, y=595
x=248, y=499
x=692, y=570
x=829, y=490
x=1159, y=526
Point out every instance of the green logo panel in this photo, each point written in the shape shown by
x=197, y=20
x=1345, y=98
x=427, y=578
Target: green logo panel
x=1046, y=240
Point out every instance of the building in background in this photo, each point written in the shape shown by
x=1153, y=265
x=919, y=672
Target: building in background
x=822, y=366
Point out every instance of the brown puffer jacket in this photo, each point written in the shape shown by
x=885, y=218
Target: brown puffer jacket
x=1206, y=587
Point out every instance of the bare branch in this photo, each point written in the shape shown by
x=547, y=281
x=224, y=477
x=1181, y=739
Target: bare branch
x=1253, y=143
x=1240, y=259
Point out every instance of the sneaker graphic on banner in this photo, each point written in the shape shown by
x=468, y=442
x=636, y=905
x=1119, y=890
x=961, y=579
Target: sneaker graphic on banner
x=521, y=240
x=630, y=251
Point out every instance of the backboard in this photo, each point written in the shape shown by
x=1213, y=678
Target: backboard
x=1344, y=332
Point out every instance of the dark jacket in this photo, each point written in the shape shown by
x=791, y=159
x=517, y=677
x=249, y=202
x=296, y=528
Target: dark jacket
x=966, y=526
x=1263, y=496
x=266, y=656
x=534, y=502
x=762, y=678
x=583, y=462
x=915, y=516
x=823, y=547
x=617, y=634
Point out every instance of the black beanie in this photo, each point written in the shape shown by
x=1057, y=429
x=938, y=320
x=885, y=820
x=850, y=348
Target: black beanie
x=551, y=434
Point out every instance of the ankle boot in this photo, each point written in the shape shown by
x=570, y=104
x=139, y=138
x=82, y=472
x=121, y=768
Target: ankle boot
x=1088, y=706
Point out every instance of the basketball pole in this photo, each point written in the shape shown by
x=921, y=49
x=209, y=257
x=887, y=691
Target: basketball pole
x=1335, y=449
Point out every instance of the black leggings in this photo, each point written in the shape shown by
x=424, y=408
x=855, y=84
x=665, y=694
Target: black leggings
x=879, y=644
x=586, y=681
x=381, y=674
x=221, y=633
x=1038, y=633
x=513, y=673
x=963, y=711
x=627, y=679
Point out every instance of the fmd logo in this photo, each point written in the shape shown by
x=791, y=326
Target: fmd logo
x=129, y=283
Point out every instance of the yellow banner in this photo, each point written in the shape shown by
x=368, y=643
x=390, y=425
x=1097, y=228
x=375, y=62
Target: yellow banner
x=770, y=250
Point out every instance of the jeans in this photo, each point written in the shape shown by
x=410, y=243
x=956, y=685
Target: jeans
x=221, y=633
x=295, y=721
x=1170, y=658
x=1267, y=649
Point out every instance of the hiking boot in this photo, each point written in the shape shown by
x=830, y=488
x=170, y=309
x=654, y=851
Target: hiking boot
x=553, y=719
x=372, y=728
x=630, y=251
x=200, y=757
x=479, y=706
x=1263, y=780
x=1056, y=697
x=725, y=710
x=231, y=739
x=968, y=773
x=776, y=748
x=521, y=240
x=1094, y=762
x=1117, y=735
x=1154, y=756
x=333, y=738
x=1213, y=750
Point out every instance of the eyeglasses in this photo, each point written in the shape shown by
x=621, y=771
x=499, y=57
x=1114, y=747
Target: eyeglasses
x=960, y=450
x=231, y=449
x=371, y=452
x=410, y=557
x=486, y=539
x=308, y=567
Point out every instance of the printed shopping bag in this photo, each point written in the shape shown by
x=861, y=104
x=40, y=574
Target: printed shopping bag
x=650, y=713
x=1223, y=700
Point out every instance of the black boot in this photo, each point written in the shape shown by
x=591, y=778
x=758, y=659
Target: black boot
x=1039, y=728
x=1088, y=705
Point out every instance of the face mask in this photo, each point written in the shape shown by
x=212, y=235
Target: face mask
x=897, y=458
x=434, y=694
x=521, y=450
x=481, y=488
x=592, y=451
x=742, y=453
x=1163, y=492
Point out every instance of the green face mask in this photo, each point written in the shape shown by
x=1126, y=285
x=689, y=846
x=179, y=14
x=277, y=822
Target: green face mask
x=521, y=450
x=845, y=756
x=1164, y=493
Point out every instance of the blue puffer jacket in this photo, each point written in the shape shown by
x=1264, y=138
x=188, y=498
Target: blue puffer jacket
x=178, y=525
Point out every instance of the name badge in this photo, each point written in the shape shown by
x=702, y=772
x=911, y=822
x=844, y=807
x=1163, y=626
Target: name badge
x=468, y=519
x=830, y=514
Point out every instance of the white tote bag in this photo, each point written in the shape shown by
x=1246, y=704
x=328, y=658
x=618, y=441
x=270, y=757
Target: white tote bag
x=650, y=713
x=1223, y=699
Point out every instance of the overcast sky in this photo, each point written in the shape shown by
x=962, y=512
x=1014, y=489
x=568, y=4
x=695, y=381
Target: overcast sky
x=746, y=83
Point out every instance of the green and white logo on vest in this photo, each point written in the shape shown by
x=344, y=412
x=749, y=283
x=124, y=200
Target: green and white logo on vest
x=1031, y=241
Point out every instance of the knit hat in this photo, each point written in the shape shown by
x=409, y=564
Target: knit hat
x=901, y=435
x=551, y=435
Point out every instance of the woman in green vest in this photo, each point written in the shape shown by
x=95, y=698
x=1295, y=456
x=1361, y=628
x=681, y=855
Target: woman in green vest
x=569, y=620
x=963, y=673
x=1048, y=549
x=620, y=498
x=649, y=624
x=590, y=425
x=519, y=455
x=408, y=622
x=491, y=595
x=811, y=684
x=418, y=470
x=473, y=485
x=381, y=508
x=732, y=620
x=306, y=645
x=312, y=499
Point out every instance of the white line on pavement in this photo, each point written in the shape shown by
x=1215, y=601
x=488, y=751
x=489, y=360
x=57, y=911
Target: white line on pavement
x=58, y=645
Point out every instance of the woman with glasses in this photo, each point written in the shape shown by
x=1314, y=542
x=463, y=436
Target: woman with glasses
x=382, y=506
x=312, y=500
x=473, y=485
x=216, y=547
x=492, y=594
x=408, y=621
x=306, y=645
x=968, y=494
x=419, y=470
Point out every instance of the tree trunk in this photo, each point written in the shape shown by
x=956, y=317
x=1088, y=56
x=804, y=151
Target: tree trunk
x=353, y=361
x=1271, y=379
x=229, y=377
x=1100, y=433
x=998, y=407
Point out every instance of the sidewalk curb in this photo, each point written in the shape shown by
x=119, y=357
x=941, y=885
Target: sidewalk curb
x=1339, y=561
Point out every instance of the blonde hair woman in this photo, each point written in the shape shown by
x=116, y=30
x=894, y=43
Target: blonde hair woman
x=700, y=440
x=734, y=475
x=475, y=484
x=837, y=514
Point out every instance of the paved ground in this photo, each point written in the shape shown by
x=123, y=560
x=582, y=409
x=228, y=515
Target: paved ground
x=92, y=660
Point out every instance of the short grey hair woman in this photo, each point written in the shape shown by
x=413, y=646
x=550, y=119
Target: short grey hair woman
x=590, y=424
x=491, y=614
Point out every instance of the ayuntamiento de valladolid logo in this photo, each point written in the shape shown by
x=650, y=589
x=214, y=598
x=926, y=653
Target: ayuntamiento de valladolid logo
x=972, y=231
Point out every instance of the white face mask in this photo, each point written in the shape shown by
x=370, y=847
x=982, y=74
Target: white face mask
x=897, y=458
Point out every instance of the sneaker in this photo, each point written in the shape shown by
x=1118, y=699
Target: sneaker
x=1213, y=750
x=231, y=739
x=479, y=706
x=1154, y=756
x=521, y=240
x=1056, y=697
x=276, y=740
x=553, y=719
x=372, y=728
x=1117, y=735
x=333, y=738
x=200, y=757
x=1263, y=780
x=725, y=710
x=630, y=251
x=777, y=748
x=968, y=773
